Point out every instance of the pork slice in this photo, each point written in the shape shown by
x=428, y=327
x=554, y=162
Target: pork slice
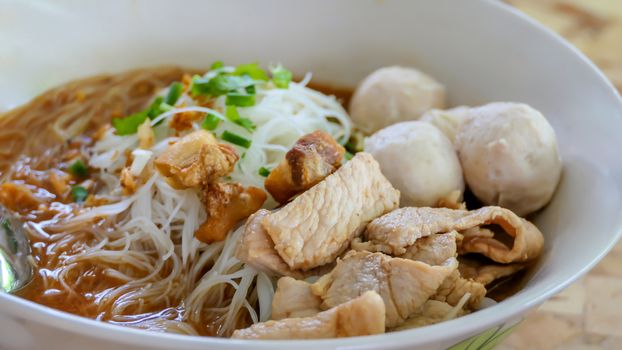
x=360, y=316
x=255, y=248
x=293, y=298
x=313, y=229
x=486, y=273
x=454, y=287
x=519, y=240
x=395, y=231
x=403, y=284
x=434, y=249
x=313, y=157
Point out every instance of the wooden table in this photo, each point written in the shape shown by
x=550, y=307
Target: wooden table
x=587, y=315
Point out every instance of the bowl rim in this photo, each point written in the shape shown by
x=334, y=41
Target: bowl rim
x=461, y=327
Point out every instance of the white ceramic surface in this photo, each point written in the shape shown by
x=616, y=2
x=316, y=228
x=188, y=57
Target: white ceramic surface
x=481, y=50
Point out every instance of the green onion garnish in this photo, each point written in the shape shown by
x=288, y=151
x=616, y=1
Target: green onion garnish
x=250, y=90
x=246, y=124
x=154, y=108
x=264, y=172
x=240, y=100
x=173, y=93
x=78, y=168
x=232, y=113
x=219, y=85
x=79, y=194
x=348, y=155
x=235, y=139
x=129, y=125
x=281, y=77
x=210, y=122
x=252, y=70
x=216, y=65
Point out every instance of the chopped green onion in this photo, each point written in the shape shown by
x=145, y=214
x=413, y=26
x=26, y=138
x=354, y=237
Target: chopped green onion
x=154, y=108
x=78, y=168
x=235, y=139
x=216, y=65
x=246, y=124
x=232, y=114
x=174, y=92
x=79, y=193
x=281, y=77
x=219, y=85
x=252, y=70
x=240, y=100
x=129, y=125
x=348, y=155
x=251, y=90
x=264, y=172
x=210, y=122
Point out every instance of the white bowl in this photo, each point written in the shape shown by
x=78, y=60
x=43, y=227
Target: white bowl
x=481, y=50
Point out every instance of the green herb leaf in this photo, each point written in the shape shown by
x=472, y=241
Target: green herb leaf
x=265, y=172
x=216, y=65
x=129, y=125
x=154, y=108
x=174, y=92
x=78, y=168
x=79, y=194
x=232, y=113
x=348, y=155
x=219, y=85
x=246, y=124
x=252, y=70
x=210, y=122
x=281, y=77
x=240, y=100
x=235, y=139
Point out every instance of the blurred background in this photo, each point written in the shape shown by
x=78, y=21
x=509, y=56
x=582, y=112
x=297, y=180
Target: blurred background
x=587, y=315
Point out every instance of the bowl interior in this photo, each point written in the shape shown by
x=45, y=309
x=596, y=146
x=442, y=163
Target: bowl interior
x=480, y=50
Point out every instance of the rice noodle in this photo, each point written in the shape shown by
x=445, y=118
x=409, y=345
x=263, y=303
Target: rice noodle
x=144, y=243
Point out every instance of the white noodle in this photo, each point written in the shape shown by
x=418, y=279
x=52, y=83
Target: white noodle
x=151, y=246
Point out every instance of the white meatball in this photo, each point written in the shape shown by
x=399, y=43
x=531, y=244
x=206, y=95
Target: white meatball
x=418, y=160
x=449, y=121
x=508, y=152
x=394, y=94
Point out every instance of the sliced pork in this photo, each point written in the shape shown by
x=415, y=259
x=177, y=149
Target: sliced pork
x=293, y=298
x=486, y=273
x=434, y=249
x=313, y=157
x=256, y=248
x=403, y=284
x=363, y=315
x=314, y=228
x=516, y=239
x=454, y=287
